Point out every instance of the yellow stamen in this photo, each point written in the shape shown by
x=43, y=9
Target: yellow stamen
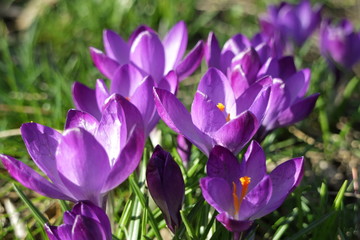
x=221, y=107
x=245, y=181
x=228, y=117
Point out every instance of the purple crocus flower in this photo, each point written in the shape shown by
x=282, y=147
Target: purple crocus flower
x=222, y=58
x=148, y=53
x=291, y=23
x=88, y=160
x=129, y=83
x=166, y=186
x=85, y=221
x=340, y=44
x=217, y=117
x=243, y=192
x=287, y=103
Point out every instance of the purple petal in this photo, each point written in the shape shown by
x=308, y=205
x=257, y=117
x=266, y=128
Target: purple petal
x=132, y=114
x=76, y=118
x=218, y=193
x=101, y=92
x=83, y=164
x=175, y=115
x=249, y=62
x=191, y=61
x=85, y=99
x=306, y=73
x=233, y=225
x=115, y=47
x=286, y=67
x=126, y=79
x=128, y=160
x=166, y=185
x=147, y=52
x=86, y=228
x=31, y=179
x=103, y=63
x=62, y=232
x=255, y=99
x=298, y=111
x=213, y=51
x=294, y=86
x=223, y=164
x=41, y=143
x=215, y=84
x=143, y=99
x=138, y=30
x=205, y=114
x=112, y=130
x=183, y=149
x=254, y=160
x=235, y=134
x=236, y=44
x=256, y=199
x=88, y=209
x=170, y=82
x=284, y=178
x=175, y=43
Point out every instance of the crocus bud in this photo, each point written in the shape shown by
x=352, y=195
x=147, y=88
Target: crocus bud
x=85, y=221
x=166, y=186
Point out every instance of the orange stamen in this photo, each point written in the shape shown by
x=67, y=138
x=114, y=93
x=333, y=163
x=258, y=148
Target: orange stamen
x=235, y=199
x=127, y=98
x=221, y=107
x=228, y=117
x=245, y=181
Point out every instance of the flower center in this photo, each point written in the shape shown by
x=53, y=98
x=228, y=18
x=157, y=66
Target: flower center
x=221, y=107
x=237, y=200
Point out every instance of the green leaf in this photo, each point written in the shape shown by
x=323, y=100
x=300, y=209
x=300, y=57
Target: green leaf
x=37, y=214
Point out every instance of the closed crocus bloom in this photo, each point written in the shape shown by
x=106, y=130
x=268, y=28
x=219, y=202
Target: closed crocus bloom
x=166, y=186
x=222, y=58
x=148, y=53
x=88, y=160
x=340, y=44
x=288, y=103
x=243, y=192
x=85, y=221
x=217, y=117
x=289, y=23
x=129, y=83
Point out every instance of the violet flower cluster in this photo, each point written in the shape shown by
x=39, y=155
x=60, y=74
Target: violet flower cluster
x=249, y=90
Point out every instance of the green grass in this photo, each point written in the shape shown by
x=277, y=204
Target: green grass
x=39, y=65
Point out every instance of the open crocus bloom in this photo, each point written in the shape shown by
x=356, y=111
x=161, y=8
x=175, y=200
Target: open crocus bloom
x=148, y=53
x=243, y=192
x=129, y=83
x=340, y=44
x=89, y=159
x=85, y=221
x=289, y=23
x=217, y=117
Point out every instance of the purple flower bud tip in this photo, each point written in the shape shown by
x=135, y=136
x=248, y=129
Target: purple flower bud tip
x=85, y=221
x=166, y=186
